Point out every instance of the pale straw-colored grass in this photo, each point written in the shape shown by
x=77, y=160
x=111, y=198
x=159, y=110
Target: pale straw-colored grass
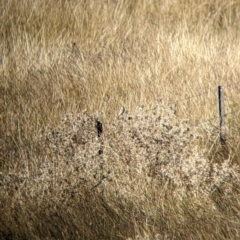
x=158, y=170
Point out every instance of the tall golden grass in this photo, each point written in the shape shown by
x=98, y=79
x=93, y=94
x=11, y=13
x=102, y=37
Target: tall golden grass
x=158, y=170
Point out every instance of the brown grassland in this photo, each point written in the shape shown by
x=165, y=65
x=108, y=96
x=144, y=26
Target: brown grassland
x=158, y=170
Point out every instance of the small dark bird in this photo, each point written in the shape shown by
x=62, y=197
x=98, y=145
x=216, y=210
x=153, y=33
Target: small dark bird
x=99, y=128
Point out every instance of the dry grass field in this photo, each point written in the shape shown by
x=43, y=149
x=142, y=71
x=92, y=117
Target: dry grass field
x=157, y=171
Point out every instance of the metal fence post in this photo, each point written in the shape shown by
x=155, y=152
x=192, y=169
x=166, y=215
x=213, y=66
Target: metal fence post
x=221, y=115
